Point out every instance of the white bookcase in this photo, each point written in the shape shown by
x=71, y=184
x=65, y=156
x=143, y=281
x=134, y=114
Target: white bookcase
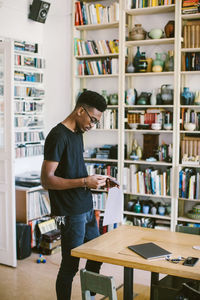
x=149, y=17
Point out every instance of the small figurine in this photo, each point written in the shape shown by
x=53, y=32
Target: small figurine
x=41, y=259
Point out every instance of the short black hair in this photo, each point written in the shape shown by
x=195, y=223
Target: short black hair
x=92, y=99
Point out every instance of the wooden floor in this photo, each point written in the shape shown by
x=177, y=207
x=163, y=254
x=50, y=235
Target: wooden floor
x=34, y=281
x=142, y=293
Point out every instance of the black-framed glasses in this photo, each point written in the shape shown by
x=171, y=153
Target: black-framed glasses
x=92, y=119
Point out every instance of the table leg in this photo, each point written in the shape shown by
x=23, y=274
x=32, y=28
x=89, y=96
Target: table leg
x=128, y=283
x=154, y=280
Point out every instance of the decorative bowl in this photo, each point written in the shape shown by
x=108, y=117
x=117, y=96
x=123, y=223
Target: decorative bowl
x=156, y=126
x=133, y=125
x=167, y=126
x=155, y=33
x=189, y=126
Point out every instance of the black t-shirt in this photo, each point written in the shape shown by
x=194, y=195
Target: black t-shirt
x=66, y=147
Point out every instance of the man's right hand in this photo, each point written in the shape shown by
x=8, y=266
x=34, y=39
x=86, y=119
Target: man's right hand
x=95, y=181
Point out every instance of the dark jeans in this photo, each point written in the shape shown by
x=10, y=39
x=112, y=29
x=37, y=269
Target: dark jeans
x=76, y=230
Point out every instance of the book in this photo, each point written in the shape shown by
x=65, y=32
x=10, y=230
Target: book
x=149, y=250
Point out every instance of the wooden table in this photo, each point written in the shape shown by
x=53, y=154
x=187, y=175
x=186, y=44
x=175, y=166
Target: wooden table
x=112, y=248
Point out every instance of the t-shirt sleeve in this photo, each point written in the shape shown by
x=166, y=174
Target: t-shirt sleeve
x=54, y=146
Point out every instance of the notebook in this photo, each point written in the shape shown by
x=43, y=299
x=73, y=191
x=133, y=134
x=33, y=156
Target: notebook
x=149, y=250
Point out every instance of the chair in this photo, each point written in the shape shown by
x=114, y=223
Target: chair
x=188, y=293
x=100, y=284
x=188, y=229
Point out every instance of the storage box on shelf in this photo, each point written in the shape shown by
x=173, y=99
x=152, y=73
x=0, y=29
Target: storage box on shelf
x=149, y=115
x=28, y=99
x=189, y=130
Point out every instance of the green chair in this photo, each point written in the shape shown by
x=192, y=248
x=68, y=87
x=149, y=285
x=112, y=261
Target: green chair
x=188, y=229
x=100, y=284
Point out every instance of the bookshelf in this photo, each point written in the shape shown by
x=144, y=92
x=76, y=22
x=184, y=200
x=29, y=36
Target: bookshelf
x=32, y=206
x=170, y=138
x=189, y=112
x=28, y=99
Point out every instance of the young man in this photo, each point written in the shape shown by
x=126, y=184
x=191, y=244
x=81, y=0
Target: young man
x=65, y=176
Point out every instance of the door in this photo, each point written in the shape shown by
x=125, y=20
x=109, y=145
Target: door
x=7, y=188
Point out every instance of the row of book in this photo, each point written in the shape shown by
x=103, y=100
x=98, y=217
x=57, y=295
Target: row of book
x=33, y=77
x=28, y=121
x=103, y=169
x=189, y=184
x=191, y=61
x=99, y=200
x=190, y=116
x=147, y=3
x=28, y=106
x=98, y=67
x=109, y=120
x=91, y=13
x=149, y=181
x=24, y=91
x=103, y=229
x=35, y=230
x=149, y=116
x=32, y=149
x=29, y=136
x=24, y=46
x=190, y=147
x=21, y=60
x=38, y=204
x=191, y=35
x=190, y=6
x=92, y=47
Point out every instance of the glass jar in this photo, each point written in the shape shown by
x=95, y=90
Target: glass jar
x=104, y=94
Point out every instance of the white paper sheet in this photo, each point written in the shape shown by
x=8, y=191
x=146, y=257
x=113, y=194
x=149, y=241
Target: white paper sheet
x=114, y=207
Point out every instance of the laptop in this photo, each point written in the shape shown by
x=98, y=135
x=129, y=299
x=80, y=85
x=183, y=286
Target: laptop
x=149, y=250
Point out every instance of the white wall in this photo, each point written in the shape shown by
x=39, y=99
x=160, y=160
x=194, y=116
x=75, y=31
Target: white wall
x=57, y=51
x=55, y=37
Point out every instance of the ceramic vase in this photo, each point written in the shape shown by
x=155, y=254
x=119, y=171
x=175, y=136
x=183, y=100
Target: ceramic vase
x=169, y=29
x=137, y=33
x=186, y=96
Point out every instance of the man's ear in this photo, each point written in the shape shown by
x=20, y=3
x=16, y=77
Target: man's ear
x=79, y=110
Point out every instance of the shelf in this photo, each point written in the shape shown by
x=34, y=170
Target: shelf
x=150, y=42
x=190, y=16
x=146, y=215
x=144, y=162
x=190, y=106
x=190, y=50
x=88, y=159
x=194, y=132
x=96, y=56
x=149, y=106
x=27, y=68
x=188, y=199
x=103, y=129
x=149, y=195
x=151, y=10
x=189, y=165
x=149, y=130
x=150, y=74
x=98, y=26
x=188, y=220
x=190, y=72
x=28, y=129
x=27, y=53
x=97, y=76
x=27, y=83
